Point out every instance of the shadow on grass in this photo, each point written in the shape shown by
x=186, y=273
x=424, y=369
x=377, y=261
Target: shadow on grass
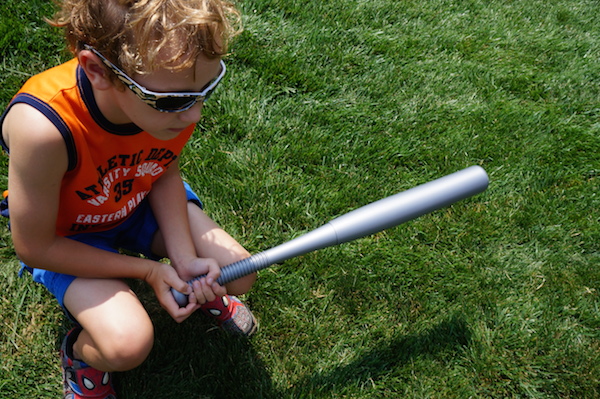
x=449, y=336
x=195, y=361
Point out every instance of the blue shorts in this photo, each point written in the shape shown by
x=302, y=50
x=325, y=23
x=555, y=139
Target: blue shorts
x=135, y=234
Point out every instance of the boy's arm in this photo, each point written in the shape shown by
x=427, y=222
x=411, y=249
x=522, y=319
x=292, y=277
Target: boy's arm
x=169, y=204
x=37, y=163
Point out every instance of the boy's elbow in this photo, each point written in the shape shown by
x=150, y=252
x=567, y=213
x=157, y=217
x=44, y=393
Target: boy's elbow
x=30, y=253
x=26, y=255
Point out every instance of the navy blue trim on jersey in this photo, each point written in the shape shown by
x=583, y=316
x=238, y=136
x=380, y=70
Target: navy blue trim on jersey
x=53, y=116
x=2, y=142
x=85, y=88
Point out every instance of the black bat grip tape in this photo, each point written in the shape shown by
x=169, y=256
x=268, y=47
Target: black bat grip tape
x=231, y=272
x=243, y=268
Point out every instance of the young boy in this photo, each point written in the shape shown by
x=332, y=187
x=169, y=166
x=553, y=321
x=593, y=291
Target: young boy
x=93, y=168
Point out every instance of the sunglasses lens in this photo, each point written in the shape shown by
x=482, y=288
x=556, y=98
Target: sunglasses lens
x=181, y=103
x=175, y=103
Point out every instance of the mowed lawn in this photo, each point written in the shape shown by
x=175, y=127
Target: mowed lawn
x=328, y=106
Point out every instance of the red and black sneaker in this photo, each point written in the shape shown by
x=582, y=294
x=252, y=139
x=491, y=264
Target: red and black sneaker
x=231, y=315
x=81, y=381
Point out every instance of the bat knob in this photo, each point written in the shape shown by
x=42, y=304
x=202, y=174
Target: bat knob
x=181, y=299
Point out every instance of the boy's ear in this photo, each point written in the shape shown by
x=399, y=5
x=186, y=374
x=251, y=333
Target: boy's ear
x=95, y=70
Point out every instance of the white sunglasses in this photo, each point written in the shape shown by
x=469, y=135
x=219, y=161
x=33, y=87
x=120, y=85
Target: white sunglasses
x=163, y=102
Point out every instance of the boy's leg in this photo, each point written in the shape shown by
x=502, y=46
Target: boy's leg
x=211, y=241
x=117, y=332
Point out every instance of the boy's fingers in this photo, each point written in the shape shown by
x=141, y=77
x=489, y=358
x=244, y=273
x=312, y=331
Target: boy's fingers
x=180, y=285
x=207, y=292
x=218, y=289
x=198, y=291
x=192, y=298
x=180, y=314
x=185, y=288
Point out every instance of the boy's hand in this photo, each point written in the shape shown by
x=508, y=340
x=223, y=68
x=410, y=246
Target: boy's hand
x=161, y=278
x=205, y=289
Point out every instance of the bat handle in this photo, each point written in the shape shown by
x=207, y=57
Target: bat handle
x=230, y=273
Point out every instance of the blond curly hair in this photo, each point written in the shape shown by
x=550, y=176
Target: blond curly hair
x=142, y=36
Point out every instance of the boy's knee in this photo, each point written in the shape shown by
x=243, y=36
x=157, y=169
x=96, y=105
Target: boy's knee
x=127, y=348
x=241, y=285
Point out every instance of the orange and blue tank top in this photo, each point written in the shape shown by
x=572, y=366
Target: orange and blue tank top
x=111, y=167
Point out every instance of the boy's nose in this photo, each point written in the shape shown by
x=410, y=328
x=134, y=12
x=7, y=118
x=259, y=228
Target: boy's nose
x=192, y=115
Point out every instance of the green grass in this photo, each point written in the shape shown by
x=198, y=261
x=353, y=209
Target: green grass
x=329, y=106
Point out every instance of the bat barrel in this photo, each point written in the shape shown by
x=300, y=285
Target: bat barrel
x=385, y=213
x=410, y=204
x=369, y=219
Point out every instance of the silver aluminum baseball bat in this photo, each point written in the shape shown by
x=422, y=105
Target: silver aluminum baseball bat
x=369, y=219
